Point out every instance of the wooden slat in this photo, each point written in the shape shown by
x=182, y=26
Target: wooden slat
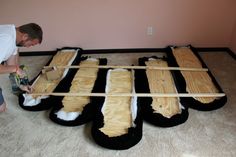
x=131, y=67
x=137, y=94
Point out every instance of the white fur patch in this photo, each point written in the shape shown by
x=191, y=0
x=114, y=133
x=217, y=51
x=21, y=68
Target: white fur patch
x=67, y=116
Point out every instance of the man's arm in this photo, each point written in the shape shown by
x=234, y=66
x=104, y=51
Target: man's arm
x=14, y=59
x=12, y=65
x=7, y=68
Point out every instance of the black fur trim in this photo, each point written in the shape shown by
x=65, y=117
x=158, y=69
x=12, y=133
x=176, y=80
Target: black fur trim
x=122, y=142
x=88, y=111
x=47, y=103
x=157, y=119
x=190, y=101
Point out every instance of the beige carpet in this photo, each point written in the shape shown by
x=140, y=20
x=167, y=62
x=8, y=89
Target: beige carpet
x=204, y=134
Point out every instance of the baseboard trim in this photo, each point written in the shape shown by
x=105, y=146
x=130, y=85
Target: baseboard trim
x=211, y=49
x=37, y=53
x=131, y=50
x=232, y=54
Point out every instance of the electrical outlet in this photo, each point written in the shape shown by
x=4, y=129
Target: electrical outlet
x=149, y=30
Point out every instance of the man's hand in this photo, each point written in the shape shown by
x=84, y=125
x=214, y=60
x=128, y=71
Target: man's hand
x=20, y=72
x=26, y=88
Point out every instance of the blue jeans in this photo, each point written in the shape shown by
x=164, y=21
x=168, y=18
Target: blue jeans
x=1, y=97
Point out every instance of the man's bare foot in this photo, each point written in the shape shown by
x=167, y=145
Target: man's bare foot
x=3, y=107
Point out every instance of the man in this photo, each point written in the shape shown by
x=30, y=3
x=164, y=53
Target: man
x=11, y=38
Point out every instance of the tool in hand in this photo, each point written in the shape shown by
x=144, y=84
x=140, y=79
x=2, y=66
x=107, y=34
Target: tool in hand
x=20, y=83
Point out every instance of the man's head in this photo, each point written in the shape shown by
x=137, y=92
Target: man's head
x=28, y=35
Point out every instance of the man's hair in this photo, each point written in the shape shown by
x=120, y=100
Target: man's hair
x=33, y=30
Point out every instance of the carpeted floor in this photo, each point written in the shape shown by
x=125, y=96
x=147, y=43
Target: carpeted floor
x=204, y=134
